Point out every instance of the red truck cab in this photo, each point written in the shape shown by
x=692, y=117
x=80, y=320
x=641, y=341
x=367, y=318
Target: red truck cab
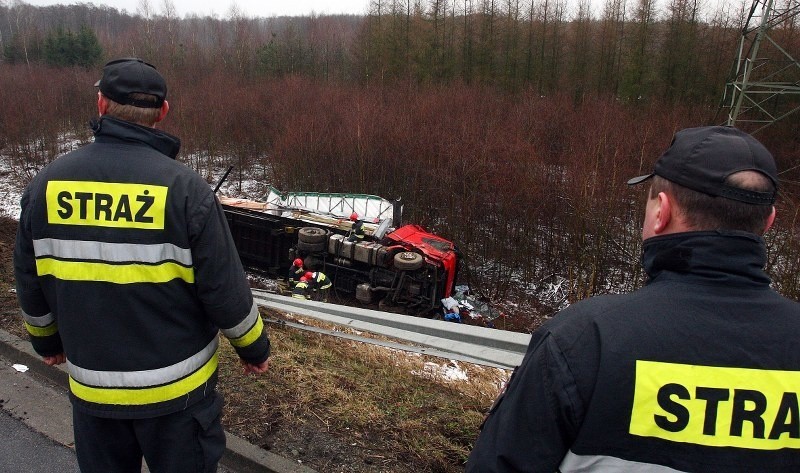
x=434, y=248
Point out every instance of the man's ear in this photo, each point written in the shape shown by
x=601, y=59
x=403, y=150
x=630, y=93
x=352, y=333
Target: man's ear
x=770, y=220
x=164, y=111
x=102, y=104
x=664, y=213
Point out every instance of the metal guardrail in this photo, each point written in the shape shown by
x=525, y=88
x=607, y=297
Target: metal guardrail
x=479, y=345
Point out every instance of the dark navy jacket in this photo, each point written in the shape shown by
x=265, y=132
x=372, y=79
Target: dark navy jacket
x=125, y=262
x=698, y=371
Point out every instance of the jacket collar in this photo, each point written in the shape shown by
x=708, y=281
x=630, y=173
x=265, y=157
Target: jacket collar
x=109, y=129
x=728, y=257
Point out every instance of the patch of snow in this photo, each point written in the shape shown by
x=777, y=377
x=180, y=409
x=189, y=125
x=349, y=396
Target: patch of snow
x=450, y=371
x=10, y=192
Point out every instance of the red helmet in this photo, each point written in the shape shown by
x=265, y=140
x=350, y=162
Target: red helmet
x=354, y=216
x=304, y=278
x=308, y=275
x=297, y=262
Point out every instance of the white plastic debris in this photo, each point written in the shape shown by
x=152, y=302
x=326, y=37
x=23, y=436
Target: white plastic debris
x=449, y=303
x=20, y=368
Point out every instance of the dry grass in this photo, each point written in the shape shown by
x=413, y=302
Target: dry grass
x=334, y=404
x=384, y=402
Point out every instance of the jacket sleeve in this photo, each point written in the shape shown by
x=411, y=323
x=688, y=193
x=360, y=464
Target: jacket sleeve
x=222, y=284
x=40, y=322
x=534, y=421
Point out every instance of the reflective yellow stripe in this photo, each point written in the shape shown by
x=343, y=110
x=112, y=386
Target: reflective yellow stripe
x=41, y=331
x=717, y=406
x=144, y=378
x=113, y=273
x=138, y=397
x=241, y=329
x=251, y=335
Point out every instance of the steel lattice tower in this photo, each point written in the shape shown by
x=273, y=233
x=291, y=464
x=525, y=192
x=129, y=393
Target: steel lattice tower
x=764, y=84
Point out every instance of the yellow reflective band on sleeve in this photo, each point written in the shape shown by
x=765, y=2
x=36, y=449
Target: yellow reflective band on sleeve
x=35, y=331
x=251, y=335
x=716, y=406
x=113, y=273
x=106, y=204
x=139, y=397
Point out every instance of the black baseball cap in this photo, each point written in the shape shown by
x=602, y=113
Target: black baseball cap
x=130, y=75
x=702, y=158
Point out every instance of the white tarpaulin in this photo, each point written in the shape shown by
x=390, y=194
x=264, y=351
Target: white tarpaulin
x=370, y=208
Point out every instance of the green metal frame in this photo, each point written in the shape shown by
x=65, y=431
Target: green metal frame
x=764, y=85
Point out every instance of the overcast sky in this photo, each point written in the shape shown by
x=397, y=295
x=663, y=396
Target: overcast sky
x=251, y=8
x=221, y=8
x=268, y=8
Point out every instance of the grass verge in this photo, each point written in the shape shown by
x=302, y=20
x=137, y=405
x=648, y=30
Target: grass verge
x=336, y=405
x=399, y=407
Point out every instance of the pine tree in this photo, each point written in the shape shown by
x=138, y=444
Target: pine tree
x=63, y=48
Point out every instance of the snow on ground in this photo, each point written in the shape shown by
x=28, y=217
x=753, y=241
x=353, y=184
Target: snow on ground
x=448, y=371
x=10, y=192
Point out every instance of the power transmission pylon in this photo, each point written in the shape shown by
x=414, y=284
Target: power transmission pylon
x=764, y=84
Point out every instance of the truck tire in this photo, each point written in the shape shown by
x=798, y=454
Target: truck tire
x=408, y=261
x=310, y=247
x=312, y=235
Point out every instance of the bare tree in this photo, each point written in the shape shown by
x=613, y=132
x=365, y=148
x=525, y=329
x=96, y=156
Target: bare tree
x=145, y=11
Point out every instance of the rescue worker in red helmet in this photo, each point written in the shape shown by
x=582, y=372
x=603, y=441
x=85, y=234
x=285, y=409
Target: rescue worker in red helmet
x=302, y=290
x=320, y=285
x=357, y=231
x=295, y=271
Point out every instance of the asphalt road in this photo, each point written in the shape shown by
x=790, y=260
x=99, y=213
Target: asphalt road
x=36, y=421
x=23, y=450
x=36, y=425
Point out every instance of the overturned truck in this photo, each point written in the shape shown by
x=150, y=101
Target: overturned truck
x=399, y=268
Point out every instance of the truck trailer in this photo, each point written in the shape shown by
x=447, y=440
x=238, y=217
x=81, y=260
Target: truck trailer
x=402, y=268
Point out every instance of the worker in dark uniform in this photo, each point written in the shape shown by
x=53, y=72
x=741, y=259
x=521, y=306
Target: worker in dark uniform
x=697, y=371
x=320, y=285
x=296, y=270
x=357, y=231
x=125, y=268
x=302, y=290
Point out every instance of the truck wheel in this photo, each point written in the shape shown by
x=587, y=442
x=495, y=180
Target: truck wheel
x=312, y=235
x=408, y=261
x=310, y=247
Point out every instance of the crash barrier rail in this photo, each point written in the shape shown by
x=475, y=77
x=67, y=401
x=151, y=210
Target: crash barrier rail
x=469, y=343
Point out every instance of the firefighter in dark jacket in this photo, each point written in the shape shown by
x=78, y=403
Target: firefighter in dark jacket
x=357, y=230
x=320, y=285
x=302, y=290
x=126, y=270
x=699, y=370
x=296, y=270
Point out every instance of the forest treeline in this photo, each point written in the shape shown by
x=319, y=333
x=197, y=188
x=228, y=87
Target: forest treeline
x=508, y=127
